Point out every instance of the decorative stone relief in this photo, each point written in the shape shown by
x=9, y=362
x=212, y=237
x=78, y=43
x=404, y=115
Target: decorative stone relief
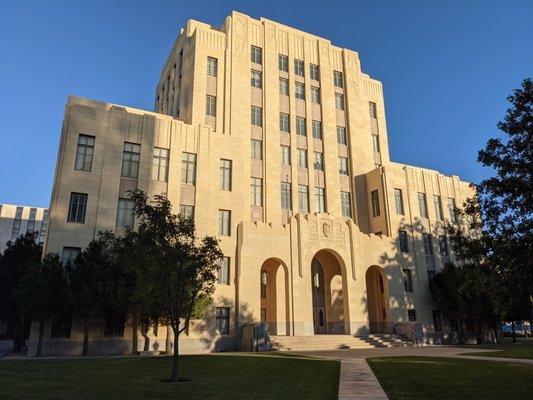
x=241, y=34
x=352, y=68
x=325, y=233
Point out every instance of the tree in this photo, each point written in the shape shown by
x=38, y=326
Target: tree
x=97, y=283
x=20, y=257
x=183, y=268
x=44, y=294
x=506, y=199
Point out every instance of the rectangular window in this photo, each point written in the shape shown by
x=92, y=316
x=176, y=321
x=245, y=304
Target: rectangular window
x=69, y=255
x=257, y=116
x=314, y=72
x=84, y=153
x=320, y=200
x=256, y=191
x=186, y=211
x=15, y=231
x=337, y=79
x=345, y=205
x=160, y=164
x=404, y=244
x=223, y=271
x=225, y=174
x=428, y=251
x=315, y=95
x=257, y=149
x=341, y=135
x=130, y=160
x=125, y=213
x=339, y=101
x=188, y=168
x=222, y=320
x=286, y=203
x=284, y=123
x=212, y=66
x=257, y=55
x=438, y=207
x=302, y=158
x=443, y=247
x=44, y=225
x=224, y=222
x=372, y=110
x=114, y=326
x=422, y=205
x=319, y=161
x=343, y=166
x=303, y=198
x=375, y=143
x=411, y=314
x=299, y=67
x=257, y=79
x=437, y=320
x=375, y=203
x=408, y=280
x=285, y=155
x=30, y=227
x=317, y=129
x=210, y=106
x=284, y=86
x=398, y=200
x=283, y=62
x=77, y=208
x=299, y=90
x=452, y=210
x=301, y=128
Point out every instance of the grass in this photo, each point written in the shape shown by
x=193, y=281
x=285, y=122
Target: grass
x=220, y=376
x=449, y=378
x=522, y=349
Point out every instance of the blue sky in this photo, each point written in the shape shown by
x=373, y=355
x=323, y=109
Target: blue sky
x=447, y=68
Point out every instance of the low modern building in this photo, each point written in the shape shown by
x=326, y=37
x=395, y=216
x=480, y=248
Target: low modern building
x=275, y=141
x=17, y=220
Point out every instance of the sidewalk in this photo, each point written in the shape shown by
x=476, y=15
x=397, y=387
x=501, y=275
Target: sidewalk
x=358, y=382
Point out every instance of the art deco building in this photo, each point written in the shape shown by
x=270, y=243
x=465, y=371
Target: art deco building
x=275, y=141
x=17, y=220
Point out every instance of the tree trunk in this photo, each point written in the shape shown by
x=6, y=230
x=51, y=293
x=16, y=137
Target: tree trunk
x=460, y=332
x=85, y=350
x=174, y=376
x=479, y=338
x=134, y=333
x=168, y=348
x=513, y=330
x=40, y=341
x=17, y=336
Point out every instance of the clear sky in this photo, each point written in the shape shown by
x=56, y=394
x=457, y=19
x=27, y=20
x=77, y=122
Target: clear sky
x=446, y=66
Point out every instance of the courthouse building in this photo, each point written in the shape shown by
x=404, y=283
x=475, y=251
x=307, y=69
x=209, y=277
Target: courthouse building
x=19, y=220
x=275, y=141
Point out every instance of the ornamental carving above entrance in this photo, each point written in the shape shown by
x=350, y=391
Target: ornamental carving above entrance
x=326, y=233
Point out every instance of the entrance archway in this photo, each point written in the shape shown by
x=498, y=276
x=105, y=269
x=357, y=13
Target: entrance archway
x=274, y=292
x=377, y=305
x=328, y=283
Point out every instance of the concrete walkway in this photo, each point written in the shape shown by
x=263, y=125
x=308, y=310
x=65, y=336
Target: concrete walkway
x=358, y=382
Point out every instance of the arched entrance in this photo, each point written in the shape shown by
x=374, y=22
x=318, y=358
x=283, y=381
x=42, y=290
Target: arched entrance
x=377, y=305
x=275, y=296
x=328, y=283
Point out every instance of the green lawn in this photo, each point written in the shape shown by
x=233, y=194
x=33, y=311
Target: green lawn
x=220, y=376
x=522, y=349
x=449, y=378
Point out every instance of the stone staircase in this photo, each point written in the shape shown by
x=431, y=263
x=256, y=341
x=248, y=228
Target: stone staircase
x=334, y=342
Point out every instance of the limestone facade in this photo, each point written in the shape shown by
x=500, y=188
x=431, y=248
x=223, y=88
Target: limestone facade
x=276, y=142
x=17, y=220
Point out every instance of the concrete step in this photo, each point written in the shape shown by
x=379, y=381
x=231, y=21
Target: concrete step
x=332, y=342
